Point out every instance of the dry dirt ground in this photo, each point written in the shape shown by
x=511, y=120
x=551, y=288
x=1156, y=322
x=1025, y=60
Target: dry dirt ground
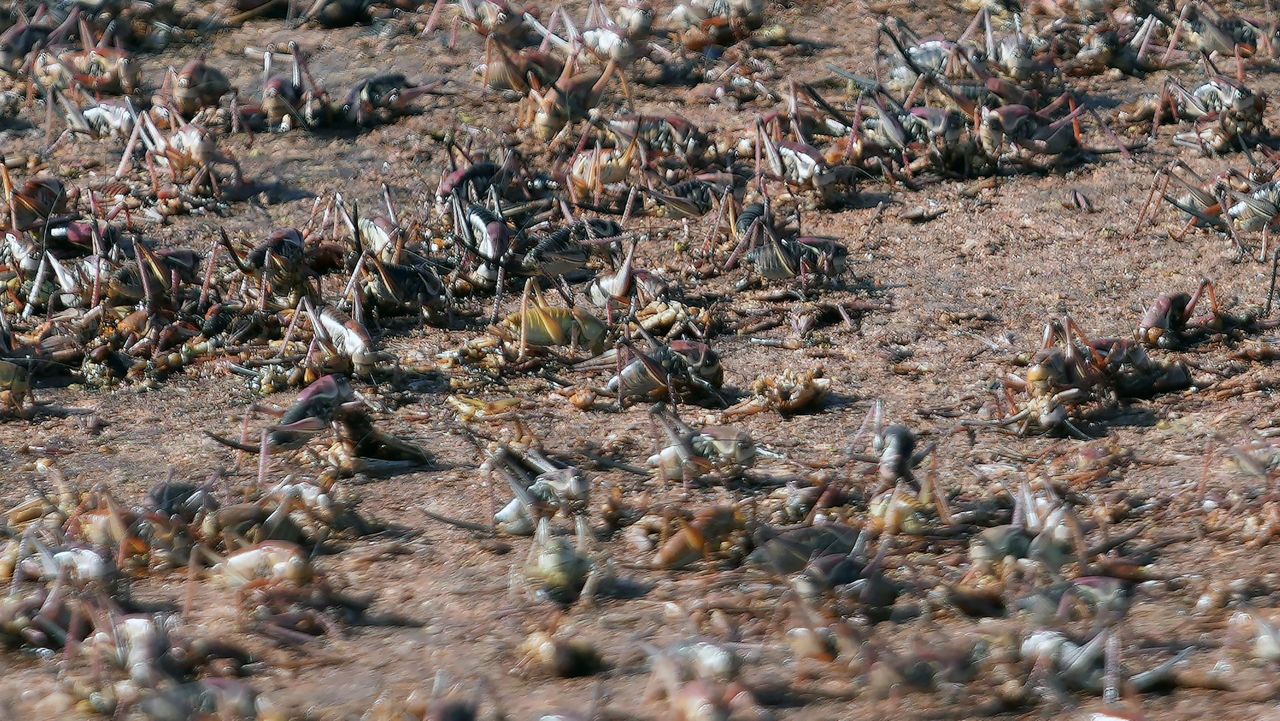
x=1012, y=254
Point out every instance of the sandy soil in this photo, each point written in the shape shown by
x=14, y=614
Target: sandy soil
x=1013, y=255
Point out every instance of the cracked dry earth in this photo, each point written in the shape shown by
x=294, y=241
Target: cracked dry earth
x=959, y=300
